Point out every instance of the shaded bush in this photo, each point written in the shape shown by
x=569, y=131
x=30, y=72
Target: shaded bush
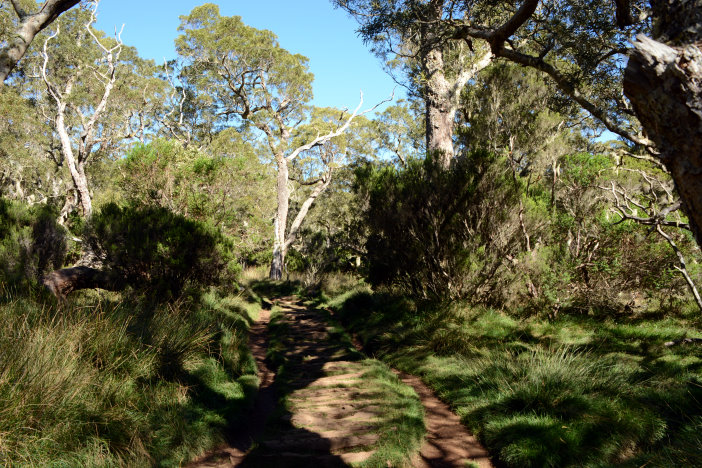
x=32, y=243
x=154, y=249
x=439, y=233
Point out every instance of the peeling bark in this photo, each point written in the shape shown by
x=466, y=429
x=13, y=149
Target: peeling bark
x=664, y=85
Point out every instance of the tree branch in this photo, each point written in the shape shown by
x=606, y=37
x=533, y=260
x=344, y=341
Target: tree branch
x=321, y=139
x=682, y=268
x=28, y=28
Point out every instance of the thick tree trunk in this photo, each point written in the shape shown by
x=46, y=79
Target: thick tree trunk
x=62, y=282
x=29, y=26
x=281, y=219
x=442, y=94
x=440, y=112
x=664, y=84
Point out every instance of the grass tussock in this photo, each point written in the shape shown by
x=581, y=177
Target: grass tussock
x=105, y=381
x=572, y=391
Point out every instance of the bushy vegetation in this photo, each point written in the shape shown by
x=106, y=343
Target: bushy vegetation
x=576, y=391
x=433, y=233
x=31, y=244
x=154, y=376
x=225, y=186
x=528, y=270
x=151, y=248
x=480, y=231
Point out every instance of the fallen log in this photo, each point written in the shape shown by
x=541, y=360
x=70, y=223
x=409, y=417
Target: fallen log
x=682, y=341
x=66, y=280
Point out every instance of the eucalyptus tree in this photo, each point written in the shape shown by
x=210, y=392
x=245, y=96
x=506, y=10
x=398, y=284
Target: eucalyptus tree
x=409, y=35
x=25, y=27
x=250, y=80
x=79, y=81
x=583, y=46
x=27, y=170
x=398, y=132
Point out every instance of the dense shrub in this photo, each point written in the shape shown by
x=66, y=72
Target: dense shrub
x=31, y=243
x=152, y=248
x=438, y=233
x=492, y=232
x=225, y=185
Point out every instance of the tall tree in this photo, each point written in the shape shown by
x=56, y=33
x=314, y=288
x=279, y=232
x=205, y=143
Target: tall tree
x=27, y=27
x=93, y=61
x=250, y=80
x=411, y=33
x=582, y=46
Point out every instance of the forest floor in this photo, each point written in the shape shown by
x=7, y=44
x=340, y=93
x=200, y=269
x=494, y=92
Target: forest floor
x=326, y=404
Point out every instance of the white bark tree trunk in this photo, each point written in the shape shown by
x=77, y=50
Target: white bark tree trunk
x=281, y=241
x=80, y=181
x=281, y=219
x=29, y=26
x=442, y=98
x=76, y=162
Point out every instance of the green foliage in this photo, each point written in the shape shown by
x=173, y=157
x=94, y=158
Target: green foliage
x=225, y=186
x=119, y=383
x=566, y=392
x=221, y=49
x=153, y=249
x=31, y=243
x=431, y=232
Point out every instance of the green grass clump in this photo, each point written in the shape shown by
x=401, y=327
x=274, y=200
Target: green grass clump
x=575, y=391
x=109, y=382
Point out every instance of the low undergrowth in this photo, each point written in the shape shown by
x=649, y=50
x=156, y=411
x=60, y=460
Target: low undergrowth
x=571, y=391
x=111, y=380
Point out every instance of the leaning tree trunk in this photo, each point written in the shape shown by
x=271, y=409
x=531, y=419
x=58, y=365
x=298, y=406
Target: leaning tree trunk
x=663, y=80
x=281, y=220
x=66, y=280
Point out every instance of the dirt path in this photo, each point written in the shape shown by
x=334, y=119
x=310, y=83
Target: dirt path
x=448, y=443
x=241, y=440
x=334, y=417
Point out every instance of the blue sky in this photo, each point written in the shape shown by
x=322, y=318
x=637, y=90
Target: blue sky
x=341, y=63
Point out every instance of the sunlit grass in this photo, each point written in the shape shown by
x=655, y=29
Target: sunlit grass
x=106, y=382
x=576, y=391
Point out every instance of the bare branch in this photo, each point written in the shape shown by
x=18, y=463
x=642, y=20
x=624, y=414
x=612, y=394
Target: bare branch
x=682, y=268
x=341, y=129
